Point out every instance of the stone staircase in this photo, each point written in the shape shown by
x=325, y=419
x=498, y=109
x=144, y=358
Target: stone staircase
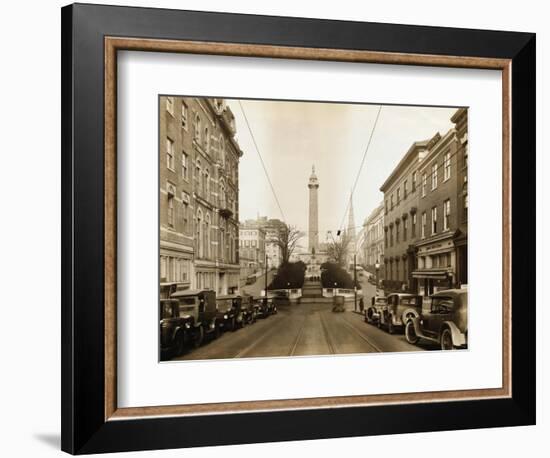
x=312, y=293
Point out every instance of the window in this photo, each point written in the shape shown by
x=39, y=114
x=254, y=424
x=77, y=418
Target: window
x=405, y=190
x=447, y=166
x=206, y=184
x=391, y=202
x=423, y=234
x=206, y=140
x=207, y=236
x=197, y=128
x=405, y=227
x=414, y=181
x=391, y=235
x=170, y=210
x=199, y=236
x=434, y=220
x=397, y=233
x=398, y=196
x=170, y=105
x=386, y=206
x=184, y=166
x=413, y=225
x=183, y=115
x=222, y=151
x=446, y=214
x=198, y=176
x=424, y=184
x=169, y=153
x=434, y=176
x=465, y=164
x=185, y=211
x=385, y=239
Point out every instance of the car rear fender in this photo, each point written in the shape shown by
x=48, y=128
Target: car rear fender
x=459, y=339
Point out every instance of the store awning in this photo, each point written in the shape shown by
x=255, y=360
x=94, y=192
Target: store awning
x=438, y=274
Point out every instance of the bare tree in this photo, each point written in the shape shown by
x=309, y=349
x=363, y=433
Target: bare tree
x=287, y=240
x=337, y=250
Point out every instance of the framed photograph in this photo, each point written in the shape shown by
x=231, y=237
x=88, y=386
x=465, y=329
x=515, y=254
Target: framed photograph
x=284, y=228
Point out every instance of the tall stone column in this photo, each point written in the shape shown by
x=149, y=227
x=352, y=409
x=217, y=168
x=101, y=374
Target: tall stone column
x=313, y=230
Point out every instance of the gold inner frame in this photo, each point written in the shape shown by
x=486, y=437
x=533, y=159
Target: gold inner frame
x=114, y=44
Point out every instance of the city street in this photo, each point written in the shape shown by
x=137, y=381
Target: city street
x=299, y=330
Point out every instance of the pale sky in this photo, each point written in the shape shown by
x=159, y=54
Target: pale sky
x=292, y=136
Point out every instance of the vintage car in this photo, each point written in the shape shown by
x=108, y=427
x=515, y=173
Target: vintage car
x=376, y=309
x=175, y=329
x=168, y=288
x=247, y=309
x=200, y=305
x=229, y=312
x=264, y=307
x=401, y=308
x=444, y=320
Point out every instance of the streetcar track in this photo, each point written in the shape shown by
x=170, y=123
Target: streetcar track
x=326, y=334
x=298, y=337
x=265, y=335
x=350, y=326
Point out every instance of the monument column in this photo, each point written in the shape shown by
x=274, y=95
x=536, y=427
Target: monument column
x=313, y=230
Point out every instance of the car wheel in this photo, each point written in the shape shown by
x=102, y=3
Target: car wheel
x=410, y=333
x=446, y=340
x=179, y=343
x=199, y=337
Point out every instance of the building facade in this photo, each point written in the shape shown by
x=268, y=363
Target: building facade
x=251, y=249
x=373, y=241
x=199, y=199
x=272, y=227
x=401, y=224
x=442, y=258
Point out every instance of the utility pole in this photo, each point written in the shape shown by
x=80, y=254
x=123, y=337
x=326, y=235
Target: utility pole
x=355, y=281
x=266, y=278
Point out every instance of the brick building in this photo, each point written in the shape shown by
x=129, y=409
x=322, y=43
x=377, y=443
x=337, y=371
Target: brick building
x=401, y=224
x=443, y=212
x=199, y=199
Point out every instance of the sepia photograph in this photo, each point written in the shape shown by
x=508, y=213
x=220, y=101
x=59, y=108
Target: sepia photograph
x=310, y=228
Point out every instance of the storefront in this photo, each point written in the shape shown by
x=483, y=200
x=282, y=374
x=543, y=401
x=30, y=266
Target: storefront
x=436, y=269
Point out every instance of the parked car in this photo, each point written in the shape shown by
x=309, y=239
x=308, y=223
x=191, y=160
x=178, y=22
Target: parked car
x=175, y=329
x=444, y=319
x=229, y=312
x=200, y=305
x=264, y=307
x=401, y=308
x=376, y=309
x=251, y=279
x=168, y=288
x=247, y=309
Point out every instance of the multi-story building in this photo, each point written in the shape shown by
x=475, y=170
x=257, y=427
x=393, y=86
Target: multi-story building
x=272, y=228
x=199, y=199
x=373, y=243
x=443, y=212
x=251, y=249
x=401, y=225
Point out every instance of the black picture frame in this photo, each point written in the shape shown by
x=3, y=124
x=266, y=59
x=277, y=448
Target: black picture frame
x=84, y=428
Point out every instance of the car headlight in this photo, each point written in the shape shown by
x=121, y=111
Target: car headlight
x=187, y=325
x=225, y=317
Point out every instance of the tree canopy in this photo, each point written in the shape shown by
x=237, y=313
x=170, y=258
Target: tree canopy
x=289, y=275
x=332, y=273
